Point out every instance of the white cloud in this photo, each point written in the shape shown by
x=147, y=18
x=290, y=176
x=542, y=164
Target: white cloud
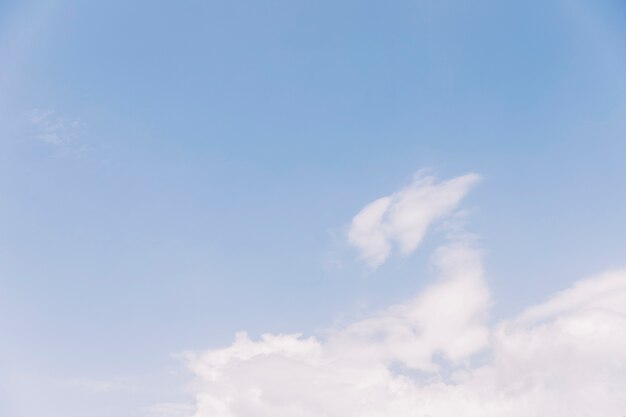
x=565, y=357
x=605, y=290
x=348, y=373
x=60, y=132
x=448, y=318
x=402, y=218
x=571, y=362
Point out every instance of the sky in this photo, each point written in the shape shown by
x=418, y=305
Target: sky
x=312, y=208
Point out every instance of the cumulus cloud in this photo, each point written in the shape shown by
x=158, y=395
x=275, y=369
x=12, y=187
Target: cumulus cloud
x=446, y=318
x=558, y=363
x=435, y=355
x=402, y=218
x=349, y=372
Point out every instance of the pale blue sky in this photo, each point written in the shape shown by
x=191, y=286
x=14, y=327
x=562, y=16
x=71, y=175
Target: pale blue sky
x=173, y=172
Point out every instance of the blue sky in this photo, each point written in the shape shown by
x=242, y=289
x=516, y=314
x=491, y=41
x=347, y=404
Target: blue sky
x=172, y=173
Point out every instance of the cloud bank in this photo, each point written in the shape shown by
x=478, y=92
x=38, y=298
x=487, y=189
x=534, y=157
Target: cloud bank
x=403, y=217
x=436, y=355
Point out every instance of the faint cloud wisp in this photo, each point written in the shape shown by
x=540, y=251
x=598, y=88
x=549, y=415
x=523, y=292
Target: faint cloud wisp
x=62, y=133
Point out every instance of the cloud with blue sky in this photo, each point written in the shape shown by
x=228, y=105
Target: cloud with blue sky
x=438, y=353
x=326, y=208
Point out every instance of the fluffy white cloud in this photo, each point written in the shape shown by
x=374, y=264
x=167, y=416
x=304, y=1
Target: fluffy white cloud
x=562, y=358
x=447, y=318
x=402, y=218
x=565, y=357
x=349, y=373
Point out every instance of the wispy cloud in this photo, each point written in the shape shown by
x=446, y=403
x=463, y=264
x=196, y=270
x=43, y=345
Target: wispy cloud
x=403, y=217
x=561, y=358
x=60, y=132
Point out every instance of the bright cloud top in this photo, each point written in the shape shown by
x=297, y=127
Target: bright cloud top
x=402, y=218
x=561, y=358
